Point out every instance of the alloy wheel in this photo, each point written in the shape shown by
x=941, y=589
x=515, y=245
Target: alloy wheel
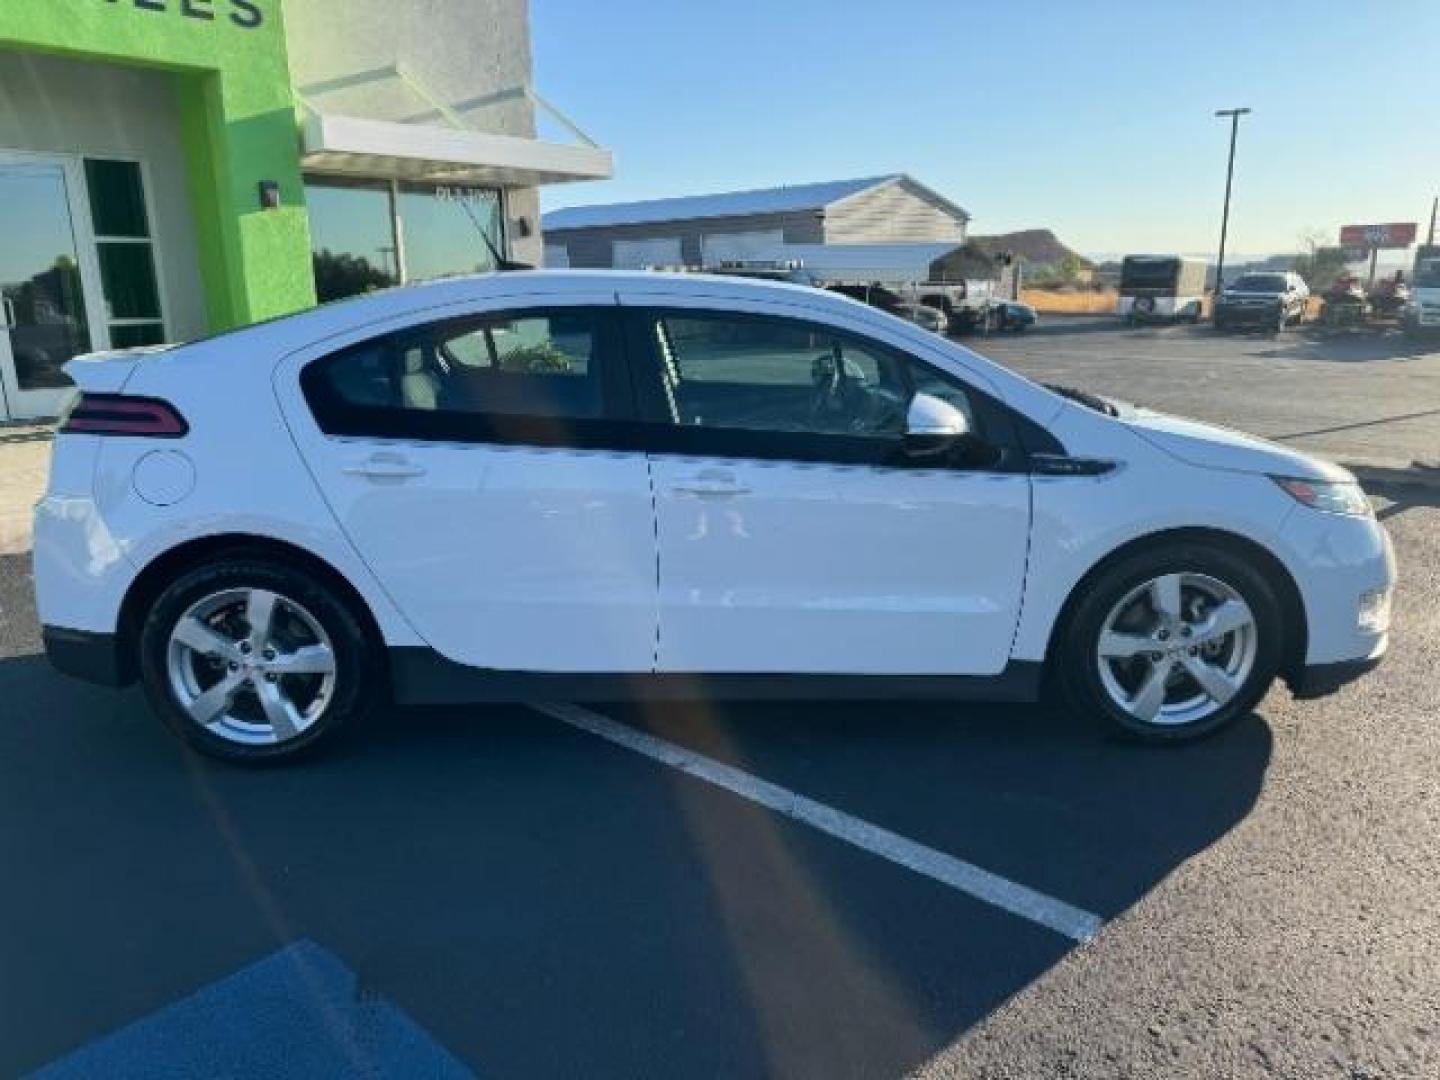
x=251, y=666
x=1177, y=649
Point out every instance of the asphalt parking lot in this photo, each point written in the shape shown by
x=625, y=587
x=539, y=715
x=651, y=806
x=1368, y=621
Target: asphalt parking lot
x=1363, y=396
x=829, y=889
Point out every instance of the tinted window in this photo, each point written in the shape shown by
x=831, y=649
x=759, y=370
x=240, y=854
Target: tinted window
x=1262, y=283
x=763, y=374
x=536, y=364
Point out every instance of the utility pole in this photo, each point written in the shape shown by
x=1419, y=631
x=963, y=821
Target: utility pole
x=1234, y=115
x=1434, y=206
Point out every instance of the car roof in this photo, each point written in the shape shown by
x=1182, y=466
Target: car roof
x=384, y=304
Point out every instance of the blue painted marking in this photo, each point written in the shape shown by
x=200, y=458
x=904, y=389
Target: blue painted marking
x=297, y=1013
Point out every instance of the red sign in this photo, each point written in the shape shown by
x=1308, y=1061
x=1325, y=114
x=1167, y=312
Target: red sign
x=1395, y=234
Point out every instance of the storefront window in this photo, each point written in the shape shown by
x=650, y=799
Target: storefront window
x=126, y=252
x=351, y=236
x=446, y=229
x=444, y=232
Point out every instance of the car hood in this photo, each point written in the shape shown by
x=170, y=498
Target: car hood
x=1213, y=447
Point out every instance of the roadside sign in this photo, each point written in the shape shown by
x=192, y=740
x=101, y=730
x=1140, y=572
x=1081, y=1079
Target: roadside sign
x=1394, y=234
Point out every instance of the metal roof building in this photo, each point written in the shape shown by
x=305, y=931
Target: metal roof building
x=706, y=230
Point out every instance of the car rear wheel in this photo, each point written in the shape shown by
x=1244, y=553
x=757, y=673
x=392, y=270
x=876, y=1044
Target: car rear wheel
x=1172, y=643
x=252, y=661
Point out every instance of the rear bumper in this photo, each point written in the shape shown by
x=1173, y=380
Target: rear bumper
x=1319, y=680
x=86, y=655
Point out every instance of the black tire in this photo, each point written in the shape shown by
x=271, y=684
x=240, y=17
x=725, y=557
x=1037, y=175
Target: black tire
x=356, y=665
x=1076, y=653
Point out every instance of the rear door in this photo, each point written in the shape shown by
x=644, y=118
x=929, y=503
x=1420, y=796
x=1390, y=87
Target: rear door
x=478, y=463
x=795, y=536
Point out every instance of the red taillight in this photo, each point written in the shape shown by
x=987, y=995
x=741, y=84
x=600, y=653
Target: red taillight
x=120, y=414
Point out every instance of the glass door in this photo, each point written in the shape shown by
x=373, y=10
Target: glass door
x=50, y=307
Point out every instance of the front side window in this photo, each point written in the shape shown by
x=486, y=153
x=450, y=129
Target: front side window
x=757, y=373
x=436, y=380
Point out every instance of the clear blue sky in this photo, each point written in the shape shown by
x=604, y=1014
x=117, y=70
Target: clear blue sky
x=1089, y=117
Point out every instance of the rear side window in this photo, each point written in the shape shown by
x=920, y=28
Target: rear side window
x=444, y=378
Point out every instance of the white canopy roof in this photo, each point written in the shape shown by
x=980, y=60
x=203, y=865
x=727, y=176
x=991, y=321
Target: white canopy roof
x=378, y=148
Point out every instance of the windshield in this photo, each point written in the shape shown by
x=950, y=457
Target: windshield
x=1427, y=275
x=1273, y=283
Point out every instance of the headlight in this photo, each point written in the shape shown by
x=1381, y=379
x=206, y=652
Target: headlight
x=1333, y=497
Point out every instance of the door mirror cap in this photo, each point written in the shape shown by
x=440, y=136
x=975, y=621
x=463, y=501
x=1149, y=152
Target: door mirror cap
x=931, y=416
x=937, y=430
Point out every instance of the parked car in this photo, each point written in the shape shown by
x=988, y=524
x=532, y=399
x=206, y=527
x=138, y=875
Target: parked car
x=550, y=484
x=1011, y=315
x=891, y=302
x=924, y=316
x=1273, y=300
x=964, y=303
x=1422, y=311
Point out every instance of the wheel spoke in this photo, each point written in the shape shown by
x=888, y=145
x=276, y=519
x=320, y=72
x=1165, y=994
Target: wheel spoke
x=309, y=660
x=259, y=613
x=200, y=637
x=1218, y=686
x=1146, y=703
x=1165, y=595
x=209, y=706
x=1230, y=616
x=1122, y=646
x=281, y=714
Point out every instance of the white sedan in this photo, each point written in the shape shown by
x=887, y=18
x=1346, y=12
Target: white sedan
x=570, y=484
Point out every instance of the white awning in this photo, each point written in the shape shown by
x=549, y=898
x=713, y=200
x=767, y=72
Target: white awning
x=348, y=146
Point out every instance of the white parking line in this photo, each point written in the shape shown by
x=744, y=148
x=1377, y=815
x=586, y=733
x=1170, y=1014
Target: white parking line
x=965, y=877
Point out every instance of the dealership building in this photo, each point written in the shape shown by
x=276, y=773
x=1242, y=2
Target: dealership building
x=170, y=168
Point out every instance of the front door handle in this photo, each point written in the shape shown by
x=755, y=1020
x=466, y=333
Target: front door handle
x=384, y=467
x=711, y=484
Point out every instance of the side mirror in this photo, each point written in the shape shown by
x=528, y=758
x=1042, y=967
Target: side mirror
x=934, y=428
x=930, y=415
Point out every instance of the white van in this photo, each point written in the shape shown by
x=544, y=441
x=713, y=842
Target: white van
x=1422, y=313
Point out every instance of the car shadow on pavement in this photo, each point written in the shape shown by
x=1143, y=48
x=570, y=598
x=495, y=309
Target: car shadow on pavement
x=1358, y=346
x=1396, y=498
x=541, y=902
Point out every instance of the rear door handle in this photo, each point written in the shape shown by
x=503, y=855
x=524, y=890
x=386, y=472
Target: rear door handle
x=384, y=467
x=711, y=483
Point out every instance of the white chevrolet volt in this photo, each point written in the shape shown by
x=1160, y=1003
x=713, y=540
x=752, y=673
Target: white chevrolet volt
x=593, y=485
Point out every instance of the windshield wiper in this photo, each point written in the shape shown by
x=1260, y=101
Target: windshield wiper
x=1084, y=397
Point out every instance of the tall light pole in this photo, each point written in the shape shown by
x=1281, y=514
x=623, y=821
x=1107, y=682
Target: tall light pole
x=1234, y=115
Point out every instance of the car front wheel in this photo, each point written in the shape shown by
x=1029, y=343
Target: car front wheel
x=1172, y=643
x=253, y=660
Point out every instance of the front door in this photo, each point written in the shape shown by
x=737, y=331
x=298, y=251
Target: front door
x=49, y=288
x=794, y=535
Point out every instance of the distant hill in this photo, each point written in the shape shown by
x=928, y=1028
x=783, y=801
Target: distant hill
x=1037, y=247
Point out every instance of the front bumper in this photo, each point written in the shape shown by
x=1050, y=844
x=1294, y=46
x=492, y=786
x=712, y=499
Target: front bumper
x=1248, y=315
x=1320, y=680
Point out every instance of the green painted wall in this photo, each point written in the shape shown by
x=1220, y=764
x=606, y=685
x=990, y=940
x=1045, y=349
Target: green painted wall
x=238, y=126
